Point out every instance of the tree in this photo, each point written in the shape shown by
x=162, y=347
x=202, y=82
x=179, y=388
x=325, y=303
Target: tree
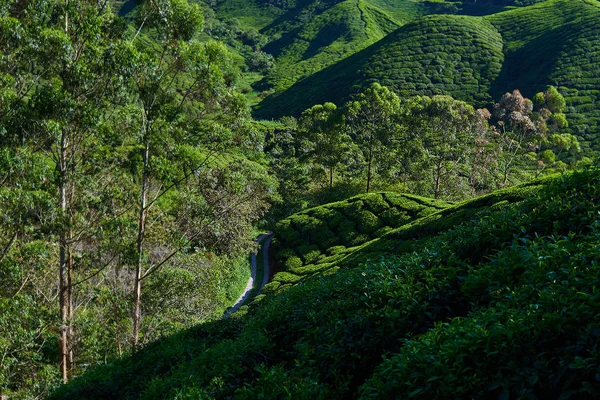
x=374, y=122
x=77, y=72
x=446, y=129
x=324, y=137
x=178, y=88
x=526, y=127
x=516, y=130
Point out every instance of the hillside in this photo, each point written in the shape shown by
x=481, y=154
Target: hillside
x=475, y=59
x=321, y=41
x=315, y=241
x=493, y=297
x=307, y=36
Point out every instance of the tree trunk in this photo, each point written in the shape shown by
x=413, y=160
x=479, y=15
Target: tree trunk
x=437, y=177
x=137, y=297
x=369, y=168
x=330, y=177
x=64, y=268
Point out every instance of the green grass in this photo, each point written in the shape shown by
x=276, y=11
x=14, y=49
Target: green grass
x=490, y=298
x=475, y=59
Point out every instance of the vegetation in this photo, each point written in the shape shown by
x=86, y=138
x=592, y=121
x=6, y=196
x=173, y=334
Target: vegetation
x=126, y=185
x=507, y=279
x=133, y=179
x=474, y=59
x=315, y=241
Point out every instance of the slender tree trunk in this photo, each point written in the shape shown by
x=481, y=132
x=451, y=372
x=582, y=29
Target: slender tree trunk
x=137, y=298
x=330, y=177
x=70, y=311
x=63, y=268
x=369, y=168
x=437, y=178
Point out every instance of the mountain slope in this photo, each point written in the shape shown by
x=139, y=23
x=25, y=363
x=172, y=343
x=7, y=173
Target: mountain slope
x=457, y=55
x=493, y=297
x=475, y=59
x=339, y=31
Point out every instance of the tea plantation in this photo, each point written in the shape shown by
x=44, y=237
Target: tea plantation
x=496, y=297
x=475, y=59
x=317, y=240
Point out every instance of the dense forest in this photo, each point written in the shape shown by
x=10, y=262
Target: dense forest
x=428, y=169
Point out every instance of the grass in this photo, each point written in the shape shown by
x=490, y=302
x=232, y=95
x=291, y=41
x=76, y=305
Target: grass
x=493, y=297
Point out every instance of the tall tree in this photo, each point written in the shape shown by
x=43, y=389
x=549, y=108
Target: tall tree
x=77, y=70
x=374, y=122
x=324, y=137
x=516, y=129
x=447, y=129
x=178, y=87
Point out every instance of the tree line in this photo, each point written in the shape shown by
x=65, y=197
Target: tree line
x=435, y=146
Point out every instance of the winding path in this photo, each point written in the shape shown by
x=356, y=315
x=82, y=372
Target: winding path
x=250, y=284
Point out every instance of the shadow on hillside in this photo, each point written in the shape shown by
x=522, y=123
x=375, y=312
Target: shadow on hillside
x=157, y=359
x=529, y=67
x=335, y=84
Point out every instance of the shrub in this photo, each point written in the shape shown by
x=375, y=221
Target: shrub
x=286, y=277
x=367, y=222
x=376, y=203
x=271, y=287
x=292, y=262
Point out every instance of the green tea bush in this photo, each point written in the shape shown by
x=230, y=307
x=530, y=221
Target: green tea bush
x=479, y=302
x=309, y=253
x=286, y=277
x=367, y=222
x=271, y=287
x=375, y=203
x=292, y=262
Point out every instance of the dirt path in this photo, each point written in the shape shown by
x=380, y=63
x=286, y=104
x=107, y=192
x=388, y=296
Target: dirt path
x=250, y=284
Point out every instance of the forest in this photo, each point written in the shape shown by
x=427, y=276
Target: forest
x=433, y=195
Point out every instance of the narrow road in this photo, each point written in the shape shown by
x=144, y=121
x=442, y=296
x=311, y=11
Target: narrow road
x=250, y=284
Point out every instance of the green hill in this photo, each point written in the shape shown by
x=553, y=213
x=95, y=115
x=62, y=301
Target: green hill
x=475, y=59
x=436, y=54
x=315, y=241
x=490, y=298
x=321, y=41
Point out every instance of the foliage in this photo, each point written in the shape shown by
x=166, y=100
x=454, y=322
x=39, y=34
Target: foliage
x=107, y=130
x=503, y=294
x=473, y=59
x=316, y=240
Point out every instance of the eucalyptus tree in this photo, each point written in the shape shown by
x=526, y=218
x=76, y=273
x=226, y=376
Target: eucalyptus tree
x=516, y=129
x=185, y=95
x=525, y=127
x=71, y=57
x=374, y=120
x=324, y=137
x=446, y=129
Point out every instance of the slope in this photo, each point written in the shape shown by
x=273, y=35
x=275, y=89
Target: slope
x=322, y=40
x=315, y=241
x=457, y=55
x=494, y=297
x=475, y=59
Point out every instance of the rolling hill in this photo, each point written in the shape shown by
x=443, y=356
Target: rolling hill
x=475, y=59
x=490, y=298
